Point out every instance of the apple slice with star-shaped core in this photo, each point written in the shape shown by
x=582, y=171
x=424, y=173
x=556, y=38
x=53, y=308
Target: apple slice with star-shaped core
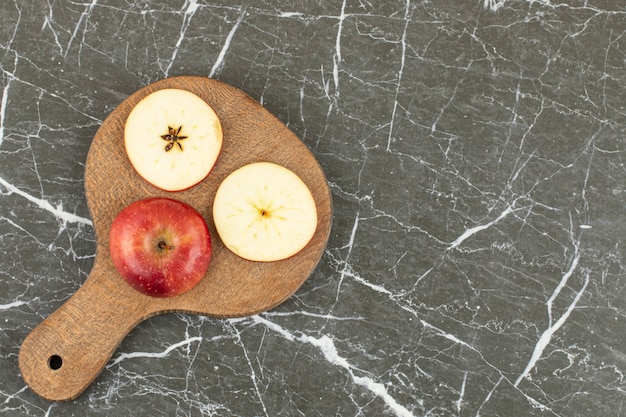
x=173, y=138
x=264, y=212
x=160, y=246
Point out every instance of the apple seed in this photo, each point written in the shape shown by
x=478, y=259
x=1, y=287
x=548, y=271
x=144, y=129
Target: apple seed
x=173, y=138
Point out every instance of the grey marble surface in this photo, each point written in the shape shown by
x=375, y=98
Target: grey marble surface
x=475, y=152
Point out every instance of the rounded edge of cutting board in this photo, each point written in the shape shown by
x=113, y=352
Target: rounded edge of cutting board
x=232, y=286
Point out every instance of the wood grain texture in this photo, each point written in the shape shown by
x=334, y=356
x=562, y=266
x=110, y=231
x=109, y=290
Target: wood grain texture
x=85, y=331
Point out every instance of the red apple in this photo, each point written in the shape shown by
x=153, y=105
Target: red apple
x=160, y=246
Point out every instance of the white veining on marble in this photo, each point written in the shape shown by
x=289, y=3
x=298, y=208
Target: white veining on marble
x=190, y=7
x=348, y=247
x=564, y=279
x=468, y=233
x=12, y=305
x=130, y=355
x=459, y=402
x=327, y=347
x=546, y=336
x=403, y=42
x=337, y=54
x=58, y=212
x=472, y=231
x=495, y=5
x=488, y=397
x=3, y=109
x=219, y=62
x=43, y=91
x=253, y=375
x=83, y=17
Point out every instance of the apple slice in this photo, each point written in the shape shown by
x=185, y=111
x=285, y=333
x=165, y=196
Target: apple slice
x=160, y=246
x=264, y=212
x=173, y=138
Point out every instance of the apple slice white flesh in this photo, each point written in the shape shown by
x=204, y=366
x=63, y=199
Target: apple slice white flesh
x=264, y=212
x=173, y=138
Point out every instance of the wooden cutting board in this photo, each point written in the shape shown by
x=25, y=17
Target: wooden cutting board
x=67, y=351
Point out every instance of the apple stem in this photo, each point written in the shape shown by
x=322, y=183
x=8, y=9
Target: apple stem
x=165, y=246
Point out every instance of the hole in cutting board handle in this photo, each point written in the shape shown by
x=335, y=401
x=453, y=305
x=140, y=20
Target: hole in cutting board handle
x=55, y=362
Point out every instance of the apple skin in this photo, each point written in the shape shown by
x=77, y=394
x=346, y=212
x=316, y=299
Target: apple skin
x=160, y=246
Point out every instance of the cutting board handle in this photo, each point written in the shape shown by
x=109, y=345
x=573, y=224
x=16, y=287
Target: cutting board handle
x=67, y=351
